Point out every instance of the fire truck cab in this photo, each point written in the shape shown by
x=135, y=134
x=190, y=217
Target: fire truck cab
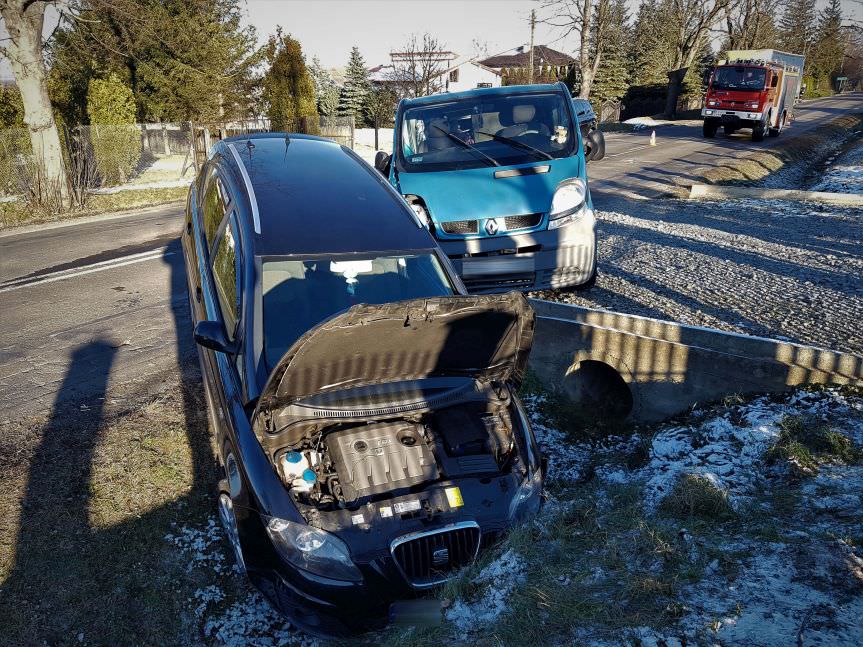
x=754, y=89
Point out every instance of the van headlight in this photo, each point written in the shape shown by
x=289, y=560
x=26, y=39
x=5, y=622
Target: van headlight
x=568, y=202
x=312, y=550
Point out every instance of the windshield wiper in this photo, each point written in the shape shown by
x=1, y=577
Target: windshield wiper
x=512, y=142
x=467, y=146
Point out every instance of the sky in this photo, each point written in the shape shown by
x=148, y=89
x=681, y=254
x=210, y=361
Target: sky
x=329, y=28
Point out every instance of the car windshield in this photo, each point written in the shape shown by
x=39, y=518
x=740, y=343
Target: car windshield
x=739, y=78
x=299, y=294
x=484, y=131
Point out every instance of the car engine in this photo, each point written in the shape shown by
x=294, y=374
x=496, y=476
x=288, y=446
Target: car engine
x=355, y=464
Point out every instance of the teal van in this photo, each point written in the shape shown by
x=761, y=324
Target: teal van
x=498, y=175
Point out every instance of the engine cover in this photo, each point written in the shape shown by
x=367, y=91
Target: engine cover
x=376, y=459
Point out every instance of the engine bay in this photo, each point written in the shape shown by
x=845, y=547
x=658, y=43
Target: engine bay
x=347, y=465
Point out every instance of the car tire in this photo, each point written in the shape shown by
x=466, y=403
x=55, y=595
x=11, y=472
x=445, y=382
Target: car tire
x=709, y=128
x=231, y=490
x=597, y=145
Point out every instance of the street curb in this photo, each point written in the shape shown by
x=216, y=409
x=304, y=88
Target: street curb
x=708, y=191
x=82, y=220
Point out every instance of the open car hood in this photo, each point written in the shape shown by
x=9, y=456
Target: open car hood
x=485, y=336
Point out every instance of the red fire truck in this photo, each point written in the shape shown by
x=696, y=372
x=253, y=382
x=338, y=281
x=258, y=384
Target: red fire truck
x=755, y=89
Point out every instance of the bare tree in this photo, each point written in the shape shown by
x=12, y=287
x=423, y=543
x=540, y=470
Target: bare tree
x=749, y=24
x=24, y=21
x=590, y=19
x=690, y=21
x=419, y=66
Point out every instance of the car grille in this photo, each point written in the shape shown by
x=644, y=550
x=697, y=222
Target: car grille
x=460, y=227
x=523, y=222
x=430, y=558
x=501, y=283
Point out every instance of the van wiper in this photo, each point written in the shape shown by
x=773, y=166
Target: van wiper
x=512, y=142
x=468, y=146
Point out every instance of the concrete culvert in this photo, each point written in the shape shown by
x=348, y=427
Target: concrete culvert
x=598, y=386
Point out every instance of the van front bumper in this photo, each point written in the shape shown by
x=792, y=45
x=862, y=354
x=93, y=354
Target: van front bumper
x=538, y=260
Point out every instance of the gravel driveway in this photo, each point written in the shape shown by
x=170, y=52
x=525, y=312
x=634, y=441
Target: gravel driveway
x=778, y=269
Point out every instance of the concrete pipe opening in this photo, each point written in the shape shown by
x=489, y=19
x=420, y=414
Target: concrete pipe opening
x=597, y=386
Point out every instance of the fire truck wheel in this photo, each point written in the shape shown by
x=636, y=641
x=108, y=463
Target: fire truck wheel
x=758, y=133
x=710, y=127
x=774, y=132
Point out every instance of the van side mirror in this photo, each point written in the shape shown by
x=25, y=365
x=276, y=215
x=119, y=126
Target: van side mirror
x=211, y=334
x=382, y=163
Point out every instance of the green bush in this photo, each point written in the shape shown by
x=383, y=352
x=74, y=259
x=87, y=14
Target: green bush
x=15, y=151
x=113, y=135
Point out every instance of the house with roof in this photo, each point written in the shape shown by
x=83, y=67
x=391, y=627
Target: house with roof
x=555, y=63
x=455, y=72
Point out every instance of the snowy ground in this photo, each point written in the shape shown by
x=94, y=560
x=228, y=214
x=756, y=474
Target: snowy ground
x=609, y=562
x=845, y=173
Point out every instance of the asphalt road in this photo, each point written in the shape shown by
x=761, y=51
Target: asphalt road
x=112, y=291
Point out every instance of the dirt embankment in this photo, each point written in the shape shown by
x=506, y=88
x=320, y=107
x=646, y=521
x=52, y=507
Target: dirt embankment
x=790, y=162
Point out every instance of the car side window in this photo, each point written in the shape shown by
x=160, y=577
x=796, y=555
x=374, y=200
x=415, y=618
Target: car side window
x=216, y=203
x=226, y=261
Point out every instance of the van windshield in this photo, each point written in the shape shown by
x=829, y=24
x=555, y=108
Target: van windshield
x=484, y=131
x=739, y=78
x=299, y=294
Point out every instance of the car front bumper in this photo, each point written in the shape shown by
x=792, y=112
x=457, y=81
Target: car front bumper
x=551, y=258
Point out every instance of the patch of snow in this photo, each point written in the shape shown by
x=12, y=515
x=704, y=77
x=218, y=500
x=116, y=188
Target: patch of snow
x=202, y=545
x=499, y=579
x=845, y=175
x=251, y=621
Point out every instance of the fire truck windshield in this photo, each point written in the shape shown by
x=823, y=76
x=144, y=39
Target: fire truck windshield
x=739, y=78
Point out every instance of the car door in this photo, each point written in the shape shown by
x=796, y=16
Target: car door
x=225, y=266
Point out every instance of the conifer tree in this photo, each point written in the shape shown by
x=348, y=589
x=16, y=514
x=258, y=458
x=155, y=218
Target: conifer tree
x=289, y=92
x=355, y=92
x=797, y=27
x=612, y=76
x=829, y=49
x=326, y=90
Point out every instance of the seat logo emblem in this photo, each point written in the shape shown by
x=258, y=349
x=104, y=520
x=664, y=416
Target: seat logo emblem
x=491, y=227
x=440, y=556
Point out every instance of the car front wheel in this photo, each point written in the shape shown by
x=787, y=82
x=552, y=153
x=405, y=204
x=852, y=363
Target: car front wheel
x=229, y=488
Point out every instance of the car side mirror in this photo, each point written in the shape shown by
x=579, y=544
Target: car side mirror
x=211, y=334
x=382, y=162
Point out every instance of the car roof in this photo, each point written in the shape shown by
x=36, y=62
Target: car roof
x=310, y=195
x=503, y=91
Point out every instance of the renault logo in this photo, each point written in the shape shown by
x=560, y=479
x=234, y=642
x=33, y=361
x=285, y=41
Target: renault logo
x=440, y=557
x=491, y=226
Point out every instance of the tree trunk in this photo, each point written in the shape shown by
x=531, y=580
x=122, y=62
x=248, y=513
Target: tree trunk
x=24, y=50
x=585, y=68
x=675, y=84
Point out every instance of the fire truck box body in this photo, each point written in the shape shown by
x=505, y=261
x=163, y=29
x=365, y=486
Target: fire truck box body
x=755, y=89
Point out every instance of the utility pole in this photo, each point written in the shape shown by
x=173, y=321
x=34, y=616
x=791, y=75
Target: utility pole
x=530, y=55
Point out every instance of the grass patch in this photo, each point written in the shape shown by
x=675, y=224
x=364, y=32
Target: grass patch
x=16, y=214
x=695, y=496
x=805, y=442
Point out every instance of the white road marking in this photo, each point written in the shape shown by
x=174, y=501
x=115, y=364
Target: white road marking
x=62, y=275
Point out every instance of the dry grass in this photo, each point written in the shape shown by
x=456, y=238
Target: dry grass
x=806, y=442
x=87, y=504
x=759, y=163
x=16, y=214
x=695, y=496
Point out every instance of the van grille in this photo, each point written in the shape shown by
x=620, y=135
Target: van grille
x=523, y=222
x=432, y=557
x=460, y=227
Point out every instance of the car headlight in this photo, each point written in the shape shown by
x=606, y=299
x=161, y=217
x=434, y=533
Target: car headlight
x=312, y=550
x=567, y=203
x=526, y=501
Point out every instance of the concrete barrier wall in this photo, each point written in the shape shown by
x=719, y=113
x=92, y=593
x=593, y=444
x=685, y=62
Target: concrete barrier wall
x=654, y=369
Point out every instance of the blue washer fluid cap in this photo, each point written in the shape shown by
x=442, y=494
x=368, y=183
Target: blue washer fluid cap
x=293, y=457
x=309, y=476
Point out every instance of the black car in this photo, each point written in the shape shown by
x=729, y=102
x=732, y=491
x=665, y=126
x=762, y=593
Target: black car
x=364, y=406
x=591, y=135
